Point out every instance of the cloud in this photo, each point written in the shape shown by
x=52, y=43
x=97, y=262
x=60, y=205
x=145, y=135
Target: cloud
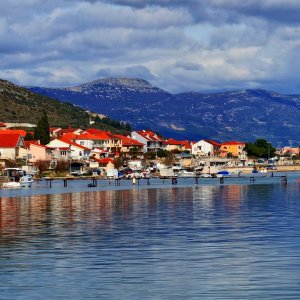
x=176, y=45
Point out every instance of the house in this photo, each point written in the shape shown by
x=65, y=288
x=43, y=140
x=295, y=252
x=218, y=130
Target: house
x=36, y=151
x=130, y=145
x=95, y=138
x=67, y=150
x=234, y=149
x=11, y=146
x=206, y=148
x=151, y=141
x=173, y=145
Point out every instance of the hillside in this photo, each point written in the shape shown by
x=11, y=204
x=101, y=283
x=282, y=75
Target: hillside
x=243, y=115
x=19, y=105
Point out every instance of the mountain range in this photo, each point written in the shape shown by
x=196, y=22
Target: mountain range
x=241, y=115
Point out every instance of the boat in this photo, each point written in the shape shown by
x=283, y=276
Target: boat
x=224, y=173
x=185, y=173
x=16, y=178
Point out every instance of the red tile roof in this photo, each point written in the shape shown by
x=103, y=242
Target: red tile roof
x=74, y=144
x=126, y=141
x=90, y=136
x=36, y=143
x=214, y=143
x=69, y=136
x=150, y=135
x=9, y=140
x=105, y=160
x=233, y=143
x=14, y=131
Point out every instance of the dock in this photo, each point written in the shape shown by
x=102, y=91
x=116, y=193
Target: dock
x=173, y=180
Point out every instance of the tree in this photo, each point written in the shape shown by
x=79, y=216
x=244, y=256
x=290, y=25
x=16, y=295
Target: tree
x=169, y=160
x=260, y=148
x=42, y=166
x=41, y=131
x=118, y=162
x=29, y=137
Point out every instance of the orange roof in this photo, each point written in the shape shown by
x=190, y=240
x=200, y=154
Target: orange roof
x=9, y=140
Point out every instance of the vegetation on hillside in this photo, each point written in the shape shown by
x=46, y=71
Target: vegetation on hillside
x=19, y=105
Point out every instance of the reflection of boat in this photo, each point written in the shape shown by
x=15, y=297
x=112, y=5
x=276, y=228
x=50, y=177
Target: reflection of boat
x=16, y=178
x=185, y=173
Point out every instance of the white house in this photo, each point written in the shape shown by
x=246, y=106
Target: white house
x=206, y=148
x=11, y=146
x=150, y=140
x=63, y=149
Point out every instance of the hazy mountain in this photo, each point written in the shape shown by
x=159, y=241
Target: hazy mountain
x=243, y=115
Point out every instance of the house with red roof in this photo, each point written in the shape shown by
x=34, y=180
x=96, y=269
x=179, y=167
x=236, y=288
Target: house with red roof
x=95, y=138
x=151, y=140
x=233, y=148
x=36, y=151
x=173, y=144
x=64, y=149
x=130, y=145
x=12, y=146
x=206, y=148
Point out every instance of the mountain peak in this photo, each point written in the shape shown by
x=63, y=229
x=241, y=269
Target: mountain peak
x=114, y=82
x=124, y=81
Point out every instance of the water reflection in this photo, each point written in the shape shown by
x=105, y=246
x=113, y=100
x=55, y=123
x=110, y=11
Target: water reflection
x=174, y=243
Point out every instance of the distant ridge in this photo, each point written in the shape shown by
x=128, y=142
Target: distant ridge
x=242, y=115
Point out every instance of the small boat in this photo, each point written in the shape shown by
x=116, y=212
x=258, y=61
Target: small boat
x=16, y=178
x=185, y=173
x=224, y=173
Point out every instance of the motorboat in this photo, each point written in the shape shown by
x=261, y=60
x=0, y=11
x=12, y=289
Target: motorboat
x=16, y=178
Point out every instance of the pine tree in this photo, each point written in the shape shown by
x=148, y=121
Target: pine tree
x=42, y=131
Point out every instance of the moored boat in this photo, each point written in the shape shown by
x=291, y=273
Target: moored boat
x=16, y=178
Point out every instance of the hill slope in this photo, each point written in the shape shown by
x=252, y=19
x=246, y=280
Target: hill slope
x=19, y=105
x=244, y=115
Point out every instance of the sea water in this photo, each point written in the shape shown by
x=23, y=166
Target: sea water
x=232, y=241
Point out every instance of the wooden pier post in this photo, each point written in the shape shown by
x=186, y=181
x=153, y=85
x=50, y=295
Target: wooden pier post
x=221, y=180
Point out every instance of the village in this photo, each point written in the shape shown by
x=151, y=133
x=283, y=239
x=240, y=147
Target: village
x=78, y=152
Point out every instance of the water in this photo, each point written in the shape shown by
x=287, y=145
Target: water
x=235, y=241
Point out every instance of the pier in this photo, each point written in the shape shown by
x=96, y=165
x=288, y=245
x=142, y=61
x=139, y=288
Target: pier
x=173, y=180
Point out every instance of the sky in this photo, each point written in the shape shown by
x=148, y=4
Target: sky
x=177, y=45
